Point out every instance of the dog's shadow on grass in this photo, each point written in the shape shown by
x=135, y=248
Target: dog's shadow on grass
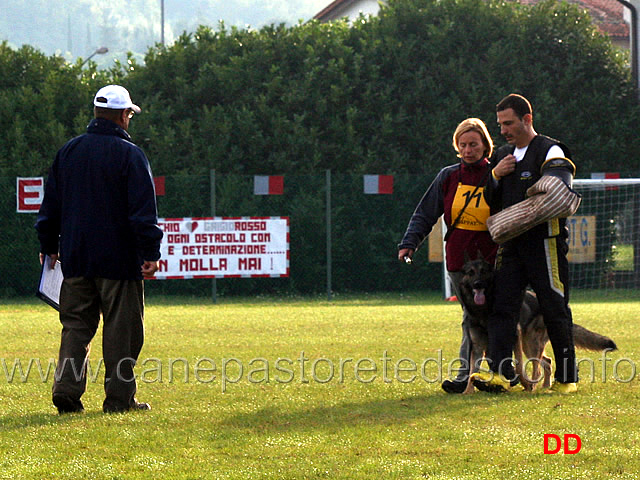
x=392, y=411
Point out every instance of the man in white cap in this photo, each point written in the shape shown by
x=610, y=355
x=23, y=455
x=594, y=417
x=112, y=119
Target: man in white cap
x=99, y=218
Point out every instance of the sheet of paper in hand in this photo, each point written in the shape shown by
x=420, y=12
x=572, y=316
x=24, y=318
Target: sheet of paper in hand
x=50, y=283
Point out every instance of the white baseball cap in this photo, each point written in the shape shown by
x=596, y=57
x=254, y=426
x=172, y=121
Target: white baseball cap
x=115, y=97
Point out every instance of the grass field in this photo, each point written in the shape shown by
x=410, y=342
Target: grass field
x=367, y=405
x=624, y=258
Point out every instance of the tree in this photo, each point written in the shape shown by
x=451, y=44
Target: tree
x=383, y=94
x=386, y=92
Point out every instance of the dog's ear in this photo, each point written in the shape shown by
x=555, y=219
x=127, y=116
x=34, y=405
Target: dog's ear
x=466, y=257
x=480, y=256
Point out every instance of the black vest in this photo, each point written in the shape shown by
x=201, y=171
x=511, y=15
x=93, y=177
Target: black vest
x=513, y=188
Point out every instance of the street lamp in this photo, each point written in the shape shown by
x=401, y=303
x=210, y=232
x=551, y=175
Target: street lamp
x=633, y=6
x=162, y=22
x=98, y=51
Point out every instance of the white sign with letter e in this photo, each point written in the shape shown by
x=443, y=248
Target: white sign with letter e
x=29, y=194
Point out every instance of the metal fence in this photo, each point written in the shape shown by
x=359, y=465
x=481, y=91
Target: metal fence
x=341, y=239
x=358, y=253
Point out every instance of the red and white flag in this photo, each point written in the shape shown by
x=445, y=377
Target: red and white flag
x=29, y=194
x=268, y=185
x=378, y=184
x=605, y=176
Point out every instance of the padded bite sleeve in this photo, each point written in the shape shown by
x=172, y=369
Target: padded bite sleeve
x=550, y=197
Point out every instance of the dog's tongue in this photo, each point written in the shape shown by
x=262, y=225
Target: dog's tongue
x=478, y=297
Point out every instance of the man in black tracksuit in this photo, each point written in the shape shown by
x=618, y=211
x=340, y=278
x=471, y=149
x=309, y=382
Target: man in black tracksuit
x=537, y=258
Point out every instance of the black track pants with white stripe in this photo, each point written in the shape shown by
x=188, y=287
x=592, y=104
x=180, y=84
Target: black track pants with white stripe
x=538, y=260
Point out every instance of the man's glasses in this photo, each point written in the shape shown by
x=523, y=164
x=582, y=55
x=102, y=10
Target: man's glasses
x=131, y=114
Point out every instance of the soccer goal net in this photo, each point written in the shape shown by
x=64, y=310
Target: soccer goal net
x=604, y=236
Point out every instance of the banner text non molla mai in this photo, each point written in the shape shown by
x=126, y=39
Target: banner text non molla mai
x=224, y=247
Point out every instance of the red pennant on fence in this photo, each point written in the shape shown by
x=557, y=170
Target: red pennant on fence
x=159, y=183
x=268, y=185
x=606, y=176
x=378, y=184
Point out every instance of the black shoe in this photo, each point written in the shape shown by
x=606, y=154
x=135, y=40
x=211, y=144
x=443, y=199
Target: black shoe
x=140, y=406
x=65, y=404
x=136, y=406
x=454, y=386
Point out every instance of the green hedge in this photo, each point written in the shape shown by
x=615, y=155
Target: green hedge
x=365, y=232
x=380, y=96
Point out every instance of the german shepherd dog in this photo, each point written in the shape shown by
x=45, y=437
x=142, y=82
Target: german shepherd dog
x=476, y=291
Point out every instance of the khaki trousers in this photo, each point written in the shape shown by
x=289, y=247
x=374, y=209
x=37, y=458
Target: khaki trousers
x=122, y=305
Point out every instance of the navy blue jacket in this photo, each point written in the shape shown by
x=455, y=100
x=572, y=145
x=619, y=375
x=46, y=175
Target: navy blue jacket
x=99, y=209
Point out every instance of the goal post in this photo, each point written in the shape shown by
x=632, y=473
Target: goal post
x=604, y=236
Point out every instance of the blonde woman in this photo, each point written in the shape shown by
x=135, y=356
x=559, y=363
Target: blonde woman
x=457, y=193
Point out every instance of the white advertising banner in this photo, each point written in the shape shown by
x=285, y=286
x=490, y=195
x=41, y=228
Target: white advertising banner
x=220, y=247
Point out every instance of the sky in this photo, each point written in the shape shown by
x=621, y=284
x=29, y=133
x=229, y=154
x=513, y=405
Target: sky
x=76, y=28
